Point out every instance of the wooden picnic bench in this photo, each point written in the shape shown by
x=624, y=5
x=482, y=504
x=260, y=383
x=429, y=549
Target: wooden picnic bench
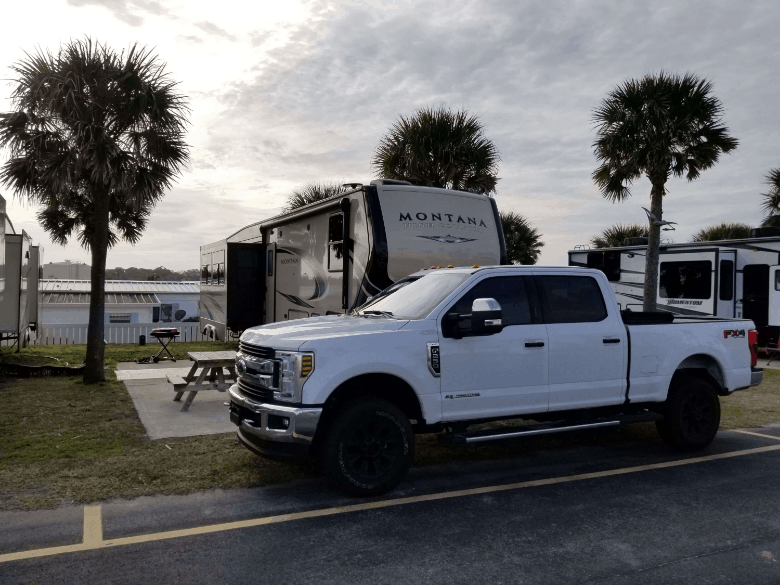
x=212, y=363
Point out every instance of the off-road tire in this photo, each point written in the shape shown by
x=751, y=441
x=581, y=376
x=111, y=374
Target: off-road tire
x=691, y=414
x=368, y=447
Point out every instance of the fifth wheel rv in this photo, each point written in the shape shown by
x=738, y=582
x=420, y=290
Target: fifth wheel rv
x=727, y=278
x=331, y=256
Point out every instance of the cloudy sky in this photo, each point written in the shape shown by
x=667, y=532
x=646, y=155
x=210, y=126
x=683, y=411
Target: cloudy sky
x=284, y=93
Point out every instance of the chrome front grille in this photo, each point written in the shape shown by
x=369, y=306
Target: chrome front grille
x=255, y=392
x=256, y=350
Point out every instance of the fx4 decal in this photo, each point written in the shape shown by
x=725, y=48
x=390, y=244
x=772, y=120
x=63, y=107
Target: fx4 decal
x=740, y=333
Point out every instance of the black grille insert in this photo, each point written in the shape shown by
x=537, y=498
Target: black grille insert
x=253, y=392
x=256, y=350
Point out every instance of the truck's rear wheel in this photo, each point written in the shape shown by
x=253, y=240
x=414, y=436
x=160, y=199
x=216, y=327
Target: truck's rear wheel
x=691, y=416
x=368, y=447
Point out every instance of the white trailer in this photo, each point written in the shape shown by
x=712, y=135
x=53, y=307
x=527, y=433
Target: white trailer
x=727, y=278
x=329, y=257
x=19, y=262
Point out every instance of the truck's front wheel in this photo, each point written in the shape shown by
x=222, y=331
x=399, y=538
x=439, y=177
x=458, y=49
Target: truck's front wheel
x=691, y=416
x=368, y=447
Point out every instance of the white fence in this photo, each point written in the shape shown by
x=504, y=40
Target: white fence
x=113, y=333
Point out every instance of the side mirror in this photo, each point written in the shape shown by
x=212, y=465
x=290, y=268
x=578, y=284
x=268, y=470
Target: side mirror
x=486, y=317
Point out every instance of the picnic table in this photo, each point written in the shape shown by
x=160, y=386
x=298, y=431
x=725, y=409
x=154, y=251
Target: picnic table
x=212, y=363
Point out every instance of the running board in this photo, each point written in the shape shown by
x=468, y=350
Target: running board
x=471, y=438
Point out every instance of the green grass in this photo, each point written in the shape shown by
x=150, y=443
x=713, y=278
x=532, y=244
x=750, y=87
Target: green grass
x=64, y=442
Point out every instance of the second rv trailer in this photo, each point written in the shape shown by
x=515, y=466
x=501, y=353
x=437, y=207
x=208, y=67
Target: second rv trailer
x=331, y=256
x=727, y=278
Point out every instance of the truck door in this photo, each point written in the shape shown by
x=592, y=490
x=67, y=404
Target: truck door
x=500, y=374
x=270, y=283
x=726, y=284
x=588, y=342
x=686, y=282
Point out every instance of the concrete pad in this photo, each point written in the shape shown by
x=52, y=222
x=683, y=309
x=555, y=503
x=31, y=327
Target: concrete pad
x=762, y=363
x=162, y=417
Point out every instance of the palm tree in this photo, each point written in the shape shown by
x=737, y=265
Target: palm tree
x=616, y=235
x=722, y=231
x=523, y=241
x=659, y=126
x=772, y=200
x=313, y=192
x=97, y=138
x=438, y=148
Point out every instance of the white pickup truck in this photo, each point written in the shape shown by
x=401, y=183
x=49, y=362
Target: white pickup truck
x=460, y=346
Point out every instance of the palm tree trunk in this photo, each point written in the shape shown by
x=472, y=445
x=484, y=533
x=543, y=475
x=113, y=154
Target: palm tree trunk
x=93, y=372
x=653, y=245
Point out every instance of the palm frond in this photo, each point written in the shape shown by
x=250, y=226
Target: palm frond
x=616, y=235
x=313, y=192
x=722, y=231
x=523, y=241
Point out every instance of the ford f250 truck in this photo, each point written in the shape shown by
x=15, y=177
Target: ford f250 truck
x=462, y=346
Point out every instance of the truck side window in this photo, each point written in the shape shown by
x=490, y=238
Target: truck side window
x=510, y=293
x=571, y=299
x=335, y=243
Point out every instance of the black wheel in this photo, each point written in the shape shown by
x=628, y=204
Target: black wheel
x=368, y=447
x=692, y=414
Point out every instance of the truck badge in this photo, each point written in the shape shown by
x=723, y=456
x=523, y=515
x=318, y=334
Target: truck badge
x=434, y=361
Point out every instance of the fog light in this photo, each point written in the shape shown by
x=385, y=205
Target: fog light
x=279, y=423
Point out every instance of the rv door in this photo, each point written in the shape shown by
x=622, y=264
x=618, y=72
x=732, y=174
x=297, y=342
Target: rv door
x=727, y=281
x=269, y=312
x=774, y=295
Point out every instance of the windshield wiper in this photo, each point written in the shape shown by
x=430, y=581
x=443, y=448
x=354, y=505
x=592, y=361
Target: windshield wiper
x=380, y=313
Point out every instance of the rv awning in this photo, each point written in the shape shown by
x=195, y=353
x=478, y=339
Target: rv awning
x=75, y=298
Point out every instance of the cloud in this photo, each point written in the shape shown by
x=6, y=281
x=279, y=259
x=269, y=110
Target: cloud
x=127, y=10
x=191, y=38
x=573, y=45
x=213, y=29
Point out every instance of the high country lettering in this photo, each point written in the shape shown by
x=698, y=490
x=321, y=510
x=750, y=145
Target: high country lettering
x=440, y=216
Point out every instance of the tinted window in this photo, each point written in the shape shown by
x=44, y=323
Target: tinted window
x=571, y=299
x=685, y=280
x=607, y=262
x=510, y=293
x=204, y=275
x=727, y=280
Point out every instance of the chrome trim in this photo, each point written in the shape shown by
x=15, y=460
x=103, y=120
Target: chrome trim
x=434, y=354
x=303, y=421
x=498, y=436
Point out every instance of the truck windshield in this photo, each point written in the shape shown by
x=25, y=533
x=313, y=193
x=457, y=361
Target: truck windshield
x=417, y=299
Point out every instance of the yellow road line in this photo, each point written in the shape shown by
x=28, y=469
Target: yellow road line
x=142, y=538
x=757, y=434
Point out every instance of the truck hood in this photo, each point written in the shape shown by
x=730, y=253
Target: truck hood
x=291, y=335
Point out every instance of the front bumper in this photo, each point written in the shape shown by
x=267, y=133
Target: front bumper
x=756, y=376
x=254, y=419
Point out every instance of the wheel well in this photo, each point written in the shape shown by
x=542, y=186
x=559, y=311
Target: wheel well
x=386, y=386
x=703, y=366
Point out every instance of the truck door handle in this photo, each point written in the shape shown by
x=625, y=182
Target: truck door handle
x=534, y=343
x=611, y=340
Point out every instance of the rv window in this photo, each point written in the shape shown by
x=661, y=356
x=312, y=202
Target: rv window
x=727, y=280
x=777, y=280
x=571, y=299
x=335, y=243
x=219, y=274
x=686, y=280
x=204, y=275
x=607, y=262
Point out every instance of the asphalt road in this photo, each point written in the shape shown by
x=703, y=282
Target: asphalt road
x=581, y=515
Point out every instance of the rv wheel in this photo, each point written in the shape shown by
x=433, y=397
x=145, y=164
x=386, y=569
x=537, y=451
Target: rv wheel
x=368, y=448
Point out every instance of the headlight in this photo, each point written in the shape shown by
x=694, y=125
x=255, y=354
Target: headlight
x=295, y=369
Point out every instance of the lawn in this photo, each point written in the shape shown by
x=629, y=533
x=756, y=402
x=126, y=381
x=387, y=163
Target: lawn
x=64, y=442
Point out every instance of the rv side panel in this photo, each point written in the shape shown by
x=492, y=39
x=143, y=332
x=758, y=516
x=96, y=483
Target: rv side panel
x=9, y=307
x=213, y=289
x=245, y=285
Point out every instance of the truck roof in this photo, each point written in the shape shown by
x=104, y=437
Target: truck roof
x=475, y=268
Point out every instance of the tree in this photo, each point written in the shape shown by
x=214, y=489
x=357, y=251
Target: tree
x=722, y=231
x=772, y=200
x=616, y=235
x=438, y=148
x=97, y=137
x=313, y=192
x=523, y=241
x=661, y=125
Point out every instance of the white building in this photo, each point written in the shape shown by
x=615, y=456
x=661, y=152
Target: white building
x=67, y=270
x=65, y=302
